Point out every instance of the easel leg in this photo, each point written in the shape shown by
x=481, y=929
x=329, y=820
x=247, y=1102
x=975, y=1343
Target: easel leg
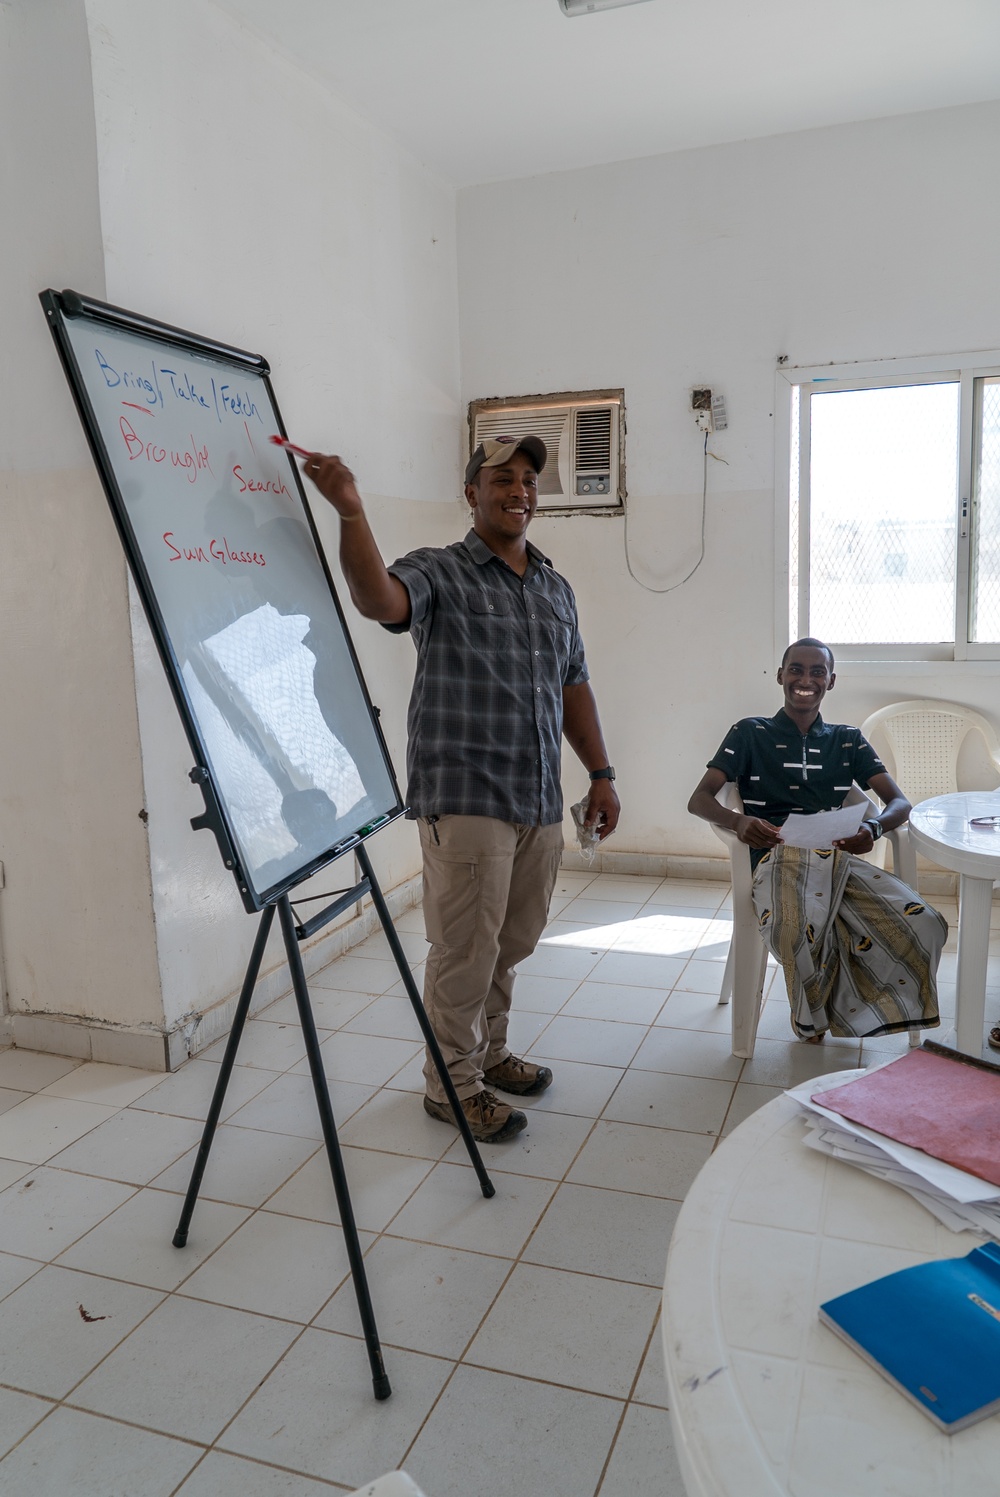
x=488, y=1188
x=225, y=1071
x=380, y=1381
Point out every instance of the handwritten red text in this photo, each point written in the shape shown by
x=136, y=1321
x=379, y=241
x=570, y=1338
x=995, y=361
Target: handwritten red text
x=193, y=459
x=218, y=550
x=259, y=486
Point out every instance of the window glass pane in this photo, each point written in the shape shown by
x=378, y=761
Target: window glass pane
x=883, y=475
x=986, y=559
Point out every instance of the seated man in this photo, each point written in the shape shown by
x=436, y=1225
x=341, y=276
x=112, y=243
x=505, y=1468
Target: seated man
x=859, y=949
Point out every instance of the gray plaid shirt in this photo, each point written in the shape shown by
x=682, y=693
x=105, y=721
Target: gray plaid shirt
x=494, y=651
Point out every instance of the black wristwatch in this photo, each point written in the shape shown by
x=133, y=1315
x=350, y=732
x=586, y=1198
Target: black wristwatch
x=607, y=773
x=875, y=827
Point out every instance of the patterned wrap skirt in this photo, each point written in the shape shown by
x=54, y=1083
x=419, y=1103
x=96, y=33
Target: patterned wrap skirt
x=859, y=949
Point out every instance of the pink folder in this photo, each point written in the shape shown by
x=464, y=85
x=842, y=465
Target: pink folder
x=945, y=1105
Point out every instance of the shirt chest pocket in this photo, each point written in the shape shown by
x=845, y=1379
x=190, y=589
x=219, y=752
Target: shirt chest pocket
x=555, y=625
x=490, y=621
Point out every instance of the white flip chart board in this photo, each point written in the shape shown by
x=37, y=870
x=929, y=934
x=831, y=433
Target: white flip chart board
x=227, y=560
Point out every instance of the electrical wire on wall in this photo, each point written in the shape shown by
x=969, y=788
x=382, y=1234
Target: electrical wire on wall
x=701, y=553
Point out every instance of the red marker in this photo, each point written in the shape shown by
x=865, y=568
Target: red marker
x=290, y=446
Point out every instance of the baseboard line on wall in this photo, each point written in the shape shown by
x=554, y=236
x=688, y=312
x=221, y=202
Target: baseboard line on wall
x=154, y=1049
x=648, y=865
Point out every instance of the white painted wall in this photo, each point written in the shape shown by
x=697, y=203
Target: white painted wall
x=863, y=241
x=239, y=199
x=76, y=913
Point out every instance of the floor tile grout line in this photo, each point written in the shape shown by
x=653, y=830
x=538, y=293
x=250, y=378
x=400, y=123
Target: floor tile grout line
x=654, y=1330
x=28, y=1432
x=33, y=1169
x=545, y=1209
x=60, y=1404
x=378, y=1235
x=180, y=1197
x=55, y=1406
x=729, y=1108
x=497, y=1372
x=253, y=1461
x=243, y=1205
x=459, y=1362
x=39, y=1265
x=549, y=1382
x=614, y=1441
x=252, y=1395
x=589, y=1273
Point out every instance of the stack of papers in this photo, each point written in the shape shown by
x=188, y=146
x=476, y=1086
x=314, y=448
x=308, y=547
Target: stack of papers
x=962, y=1201
x=938, y=1100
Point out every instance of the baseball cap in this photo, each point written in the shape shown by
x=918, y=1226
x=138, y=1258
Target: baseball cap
x=497, y=450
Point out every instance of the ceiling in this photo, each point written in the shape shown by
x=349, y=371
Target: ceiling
x=480, y=90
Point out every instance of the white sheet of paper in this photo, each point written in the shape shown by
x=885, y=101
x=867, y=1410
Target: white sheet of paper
x=954, y=1182
x=824, y=828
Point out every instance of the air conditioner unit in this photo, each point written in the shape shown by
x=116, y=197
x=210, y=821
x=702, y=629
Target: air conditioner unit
x=584, y=432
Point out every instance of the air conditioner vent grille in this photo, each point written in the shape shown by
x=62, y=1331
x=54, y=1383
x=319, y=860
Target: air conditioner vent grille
x=593, y=439
x=547, y=424
x=584, y=433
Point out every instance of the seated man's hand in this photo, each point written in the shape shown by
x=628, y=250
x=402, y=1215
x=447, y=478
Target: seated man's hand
x=757, y=833
x=861, y=842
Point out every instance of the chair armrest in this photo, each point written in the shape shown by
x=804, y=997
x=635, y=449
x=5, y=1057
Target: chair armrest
x=904, y=855
x=739, y=853
x=728, y=796
x=856, y=797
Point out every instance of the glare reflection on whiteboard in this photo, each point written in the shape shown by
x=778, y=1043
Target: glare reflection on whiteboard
x=290, y=782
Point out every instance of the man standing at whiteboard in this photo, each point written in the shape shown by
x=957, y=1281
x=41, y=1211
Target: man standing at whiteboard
x=500, y=677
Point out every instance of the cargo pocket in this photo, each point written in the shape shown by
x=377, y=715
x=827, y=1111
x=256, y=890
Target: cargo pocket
x=452, y=890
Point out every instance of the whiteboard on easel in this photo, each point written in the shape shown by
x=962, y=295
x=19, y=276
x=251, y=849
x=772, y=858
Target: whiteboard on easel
x=227, y=560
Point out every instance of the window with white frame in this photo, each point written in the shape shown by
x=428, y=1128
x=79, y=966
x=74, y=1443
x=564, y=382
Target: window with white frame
x=894, y=507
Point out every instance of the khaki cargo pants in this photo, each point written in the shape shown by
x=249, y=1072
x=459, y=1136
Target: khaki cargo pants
x=487, y=887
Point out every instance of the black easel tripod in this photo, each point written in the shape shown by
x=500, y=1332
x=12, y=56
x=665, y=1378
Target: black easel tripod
x=293, y=934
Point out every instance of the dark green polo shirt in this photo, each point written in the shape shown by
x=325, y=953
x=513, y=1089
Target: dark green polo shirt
x=778, y=770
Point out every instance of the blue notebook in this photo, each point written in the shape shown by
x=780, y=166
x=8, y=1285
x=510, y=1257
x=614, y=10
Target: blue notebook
x=933, y=1331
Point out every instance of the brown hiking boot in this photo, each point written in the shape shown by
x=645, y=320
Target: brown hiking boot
x=490, y=1120
x=518, y=1076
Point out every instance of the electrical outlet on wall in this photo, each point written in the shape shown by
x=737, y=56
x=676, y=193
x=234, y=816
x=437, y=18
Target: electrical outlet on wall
x=701, y=405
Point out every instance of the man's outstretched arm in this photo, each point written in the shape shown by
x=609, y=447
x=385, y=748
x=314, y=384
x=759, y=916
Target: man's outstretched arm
x=375, y=592
x=582, y=728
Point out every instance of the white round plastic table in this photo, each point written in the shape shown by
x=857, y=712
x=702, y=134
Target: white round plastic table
x=765, y=1401
x=941, y=829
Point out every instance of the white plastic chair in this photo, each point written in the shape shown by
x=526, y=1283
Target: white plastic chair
x=920, y=742
x=746, y=964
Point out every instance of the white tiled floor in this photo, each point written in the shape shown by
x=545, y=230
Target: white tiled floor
x=520, y=1334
